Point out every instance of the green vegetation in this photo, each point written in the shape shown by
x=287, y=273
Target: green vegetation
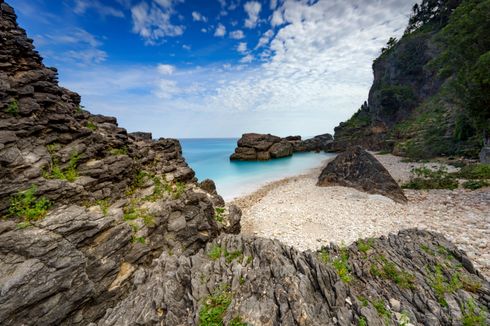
x=380, y=307
x=470, y=283
x=404, y=319
x=425, y=178
x=135, y=239
x=90, y=125
x=474, y=172
x=13, y=108
x=390, y=271
x=395, y=97
x=119, y=151
x=324, y=255
x=364, y=245
x=475, y=184
x=214, y=308
x=132, y=212
x=104, y=205
x=362, y=321
x=473, y=315
x=70, y=173
x=441, y=285
x=218, y=214
x=26, y=206
x=364, y=301
x=216, y=252
x=426, y=249
x=341, y=265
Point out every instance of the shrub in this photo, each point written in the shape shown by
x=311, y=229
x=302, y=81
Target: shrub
x=26, y=206
x=216, y=252
x=472, y=317
x=425, y=178
x=363, y=246
x=56, y=172
x=474, y=171
x=475, y=184
x=90, y=125
x=380, y=307
x=104, y=205
x=218, y=214
x=340, y=263
x=441, y=285
x=119, y=151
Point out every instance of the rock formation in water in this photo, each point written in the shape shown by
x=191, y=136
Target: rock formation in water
x=263, y=147
x=358, y=169
x=102, y=227
x=430, y=95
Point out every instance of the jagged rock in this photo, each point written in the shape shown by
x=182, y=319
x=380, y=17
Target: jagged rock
x=358, y=169
x=269, y=283
x=126, y=200
x=317, y=144
x=281, y=149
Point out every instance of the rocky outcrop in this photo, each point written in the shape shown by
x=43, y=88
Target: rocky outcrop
x=358, y=169
x=403, y=279
x=485, y=151
x=85, y=205
x=422, y=103
x=263, y=147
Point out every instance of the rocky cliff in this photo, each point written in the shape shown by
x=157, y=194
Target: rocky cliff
x=263, y=147
x=429, y=96
x=102, y=227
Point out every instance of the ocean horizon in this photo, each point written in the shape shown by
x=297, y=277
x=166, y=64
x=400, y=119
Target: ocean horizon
x=209, y=158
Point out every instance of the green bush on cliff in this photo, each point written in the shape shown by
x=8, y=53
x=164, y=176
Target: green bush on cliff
x=26, y=206
x=13, y=108
x=70, y=173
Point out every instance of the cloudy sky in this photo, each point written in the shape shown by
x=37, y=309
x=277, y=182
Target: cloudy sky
x=216, y=68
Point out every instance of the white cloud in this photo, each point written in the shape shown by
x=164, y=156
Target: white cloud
x=196, y=16
x=237, y=35
x=204, y=30
x=86, y=57
x=186, y=47
x=247, y=59
x=81, y=6
x=242, y=47
x=252, y=8
x=220, y=30
x=264, y=39
x=153, y=22
x=277, y=18
x=165, y=69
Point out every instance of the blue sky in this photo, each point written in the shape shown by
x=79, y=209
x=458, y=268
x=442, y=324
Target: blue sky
x=215, y=68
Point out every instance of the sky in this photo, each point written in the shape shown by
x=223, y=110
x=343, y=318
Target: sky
x=216, y=68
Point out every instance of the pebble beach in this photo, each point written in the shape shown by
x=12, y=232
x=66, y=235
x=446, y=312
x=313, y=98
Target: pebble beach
x=297, y=212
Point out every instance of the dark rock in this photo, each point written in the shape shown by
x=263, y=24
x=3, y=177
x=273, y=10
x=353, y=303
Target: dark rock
x=281, y=149
x=260, y=142
x=358, y=169
x=244, y=154
x=141, y=135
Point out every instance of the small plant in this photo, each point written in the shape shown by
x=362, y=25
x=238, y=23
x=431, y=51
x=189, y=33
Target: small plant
x=362, y=321
x=380, y=307
x=104, y=205
x=56, y=172
x=390, y=271
x=441, y=285
x=404, y=319
x=475, y=184
x=90, y=125
x=179, y=189
x=364, y=246
x=119, y=151
x=26, y=206
x=470, y=283
x=132, y=212
x=218, y=214
x=425, y=178
x=237, y=321
x=214, y=308
x=80, y=108
x=473, y=315
x=13, y=108
x=135, y=239
x=324, y=255
x=215, y=252
x=341, y=265
x=241, y=280
x=364, y=301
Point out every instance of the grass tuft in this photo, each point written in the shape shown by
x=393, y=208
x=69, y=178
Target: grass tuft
x=214, y=308
x=26, y=206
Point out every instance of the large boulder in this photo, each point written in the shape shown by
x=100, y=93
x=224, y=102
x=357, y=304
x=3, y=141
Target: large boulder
x=244, y=154
x=317, y=144
x=261, y=142
x=281, y=149
x=359, y=169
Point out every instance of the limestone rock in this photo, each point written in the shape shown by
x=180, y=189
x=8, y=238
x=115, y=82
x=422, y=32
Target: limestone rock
x=358, y=169
x=281, y=149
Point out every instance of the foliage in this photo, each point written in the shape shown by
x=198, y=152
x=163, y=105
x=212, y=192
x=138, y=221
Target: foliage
x=442, y=285
x=364, y=245
x=475, y=184
x=216, y=252
x=430, y=12
x=132, y=212
x=380, y=307
x=26, y=206
x=425, y=178
x=135, y=239
x=390, y=271
x=362, y=321
x=472, y=317
x=395, y=97
x=340, y=263
x=324, y=255
x=474, y=171
x=70, y=173
x=364, y=301
x=237, y=321
x=13, y=108
x=389, y=45
x=218, y=214
x=214, y=308
x=90, y=125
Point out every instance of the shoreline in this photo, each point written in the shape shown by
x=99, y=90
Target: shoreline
x=297, y=212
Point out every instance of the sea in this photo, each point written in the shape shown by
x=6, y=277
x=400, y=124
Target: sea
x=209, y=158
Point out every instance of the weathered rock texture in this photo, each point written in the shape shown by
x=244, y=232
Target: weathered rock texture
x=128, y=199
x=263, y=147
x=358, y=169
x=128, y=238
x=387, y=281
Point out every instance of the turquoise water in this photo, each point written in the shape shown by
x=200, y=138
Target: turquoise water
x=210, y=160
